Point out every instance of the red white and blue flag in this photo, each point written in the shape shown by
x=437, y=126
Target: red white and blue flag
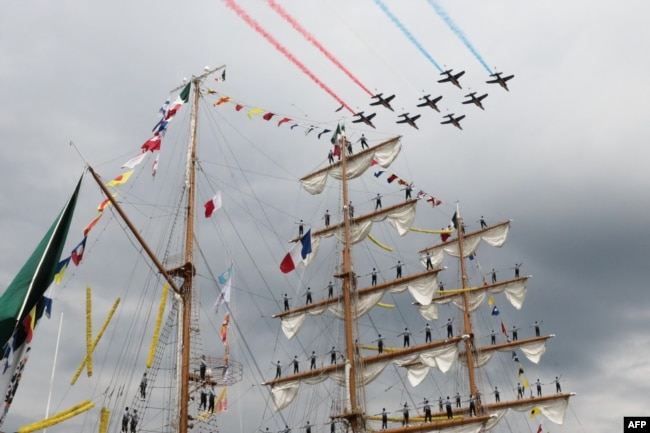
x=298, y=253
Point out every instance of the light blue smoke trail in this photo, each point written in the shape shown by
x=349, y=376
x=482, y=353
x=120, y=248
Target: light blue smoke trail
x=442, y=14
x=408, y=34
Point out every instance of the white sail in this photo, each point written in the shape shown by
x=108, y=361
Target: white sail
x=515, y=291
x=384, y=154
x=495, y=236
x=421, y=288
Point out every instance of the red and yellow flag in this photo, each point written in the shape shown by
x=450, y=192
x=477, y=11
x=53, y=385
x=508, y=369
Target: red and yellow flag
x=119, y=180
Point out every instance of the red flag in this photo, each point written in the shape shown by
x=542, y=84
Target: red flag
x=444, y=236
x=222, y=100
x=539, y=429
x=391, y=178
x=238, y=107
x=374, y=162
x=268, y=116
x=504, y=330
x=337, y=150
x=91, y=225
x=283, y=120
x=152, y=144
x=213, y=204
x=434, y=201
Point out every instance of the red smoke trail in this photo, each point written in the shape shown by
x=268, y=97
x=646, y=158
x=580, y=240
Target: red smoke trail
x=284, y=14
x=258, y=28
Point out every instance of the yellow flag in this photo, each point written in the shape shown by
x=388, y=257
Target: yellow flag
x=491, y=301
x=534, y=412
x=253, y=111
x=119, y=180
x=525, y=383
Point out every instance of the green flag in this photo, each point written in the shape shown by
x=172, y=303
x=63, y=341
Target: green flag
x=31, y=282
x=185, y=93
x=336, y=134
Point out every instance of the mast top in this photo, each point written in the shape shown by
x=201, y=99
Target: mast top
x=195, y=78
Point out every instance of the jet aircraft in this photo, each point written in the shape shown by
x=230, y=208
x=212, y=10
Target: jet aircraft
x=409, y=120
x=365, y=119
x=430, y=102
x=473, y=99
x=383, y=101
x=453, y=120
x=500, y=80
x=452, y=78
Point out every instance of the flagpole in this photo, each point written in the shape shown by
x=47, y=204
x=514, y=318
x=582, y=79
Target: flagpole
x=56, y=353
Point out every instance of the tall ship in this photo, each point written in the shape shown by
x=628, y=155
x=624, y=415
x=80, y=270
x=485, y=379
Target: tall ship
x=420, y=395
x=348, y=335
x=143, y=363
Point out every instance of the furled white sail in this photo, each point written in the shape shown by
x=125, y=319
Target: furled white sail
x=515, y=291
x=495, y=236
x=384, y=154
x=554, y=410
x=421, y=289
x=439, y=357
x=532, y=350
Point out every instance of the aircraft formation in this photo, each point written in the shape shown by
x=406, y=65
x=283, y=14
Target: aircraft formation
x=449, y=119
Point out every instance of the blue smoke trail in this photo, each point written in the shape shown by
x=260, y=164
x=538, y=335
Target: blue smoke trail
x=408, y=34
x=458, y=32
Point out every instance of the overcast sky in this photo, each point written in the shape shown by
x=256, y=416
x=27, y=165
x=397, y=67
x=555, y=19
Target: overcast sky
x=564, y=153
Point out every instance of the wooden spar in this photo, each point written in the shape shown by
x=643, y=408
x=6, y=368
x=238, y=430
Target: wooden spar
x=353, y=157
x=360, y=219
x=475, y=233
x=467, y=322
x=360, y=293
x=134, y=231
x=367, y=360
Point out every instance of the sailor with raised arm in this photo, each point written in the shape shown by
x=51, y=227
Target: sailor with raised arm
x=450, y=329
x=378, y=202
x=558, y=388
x=364, y=143
x=380, y=343
x=407, y=334
x=427, y=336
x=333, y=353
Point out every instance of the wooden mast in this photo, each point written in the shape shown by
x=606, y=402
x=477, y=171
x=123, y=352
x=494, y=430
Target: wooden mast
x=350, y=353
x=467, y=319
x=188, y=270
